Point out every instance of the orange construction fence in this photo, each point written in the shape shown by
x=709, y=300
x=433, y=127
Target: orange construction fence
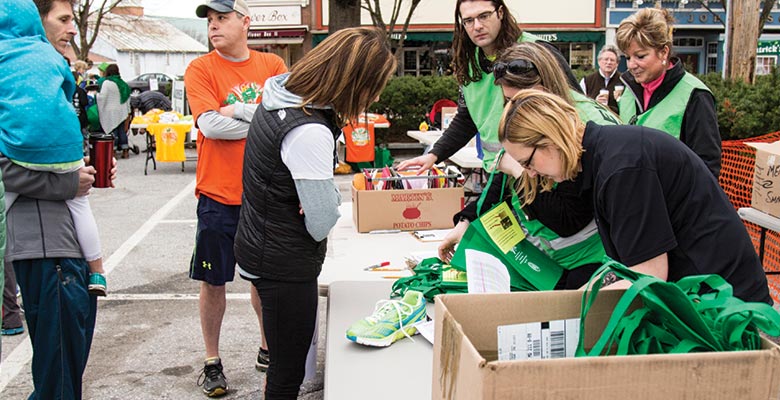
x=736, y=179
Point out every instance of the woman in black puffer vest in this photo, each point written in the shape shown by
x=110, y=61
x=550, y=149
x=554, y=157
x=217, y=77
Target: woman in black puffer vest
x=290, y=201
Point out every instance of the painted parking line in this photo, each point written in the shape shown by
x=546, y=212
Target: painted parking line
x=22, y=353
x=167, y=297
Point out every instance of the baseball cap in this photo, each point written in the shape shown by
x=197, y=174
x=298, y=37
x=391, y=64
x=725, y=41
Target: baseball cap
x=222, y=6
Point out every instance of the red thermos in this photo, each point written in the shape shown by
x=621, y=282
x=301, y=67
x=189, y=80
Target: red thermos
x=101, y=153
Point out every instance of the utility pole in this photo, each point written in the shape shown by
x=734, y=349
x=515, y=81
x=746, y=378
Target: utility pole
x=742, y=31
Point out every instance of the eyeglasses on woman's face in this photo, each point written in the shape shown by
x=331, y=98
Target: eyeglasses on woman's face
x=482, y=18
x=514, y=67
x=527, y=163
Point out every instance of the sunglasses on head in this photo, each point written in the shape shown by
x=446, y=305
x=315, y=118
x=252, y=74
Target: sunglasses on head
x=514, y=67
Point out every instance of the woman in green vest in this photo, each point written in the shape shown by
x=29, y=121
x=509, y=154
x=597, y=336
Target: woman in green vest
x=560, y=222
x=660, y=93
x=482, y=30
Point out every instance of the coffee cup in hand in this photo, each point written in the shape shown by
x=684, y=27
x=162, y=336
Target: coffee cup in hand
x=618, y=91
x=101, y=155
x=603, y=96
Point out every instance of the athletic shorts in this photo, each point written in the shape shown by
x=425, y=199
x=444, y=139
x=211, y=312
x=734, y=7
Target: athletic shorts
x=213, y=260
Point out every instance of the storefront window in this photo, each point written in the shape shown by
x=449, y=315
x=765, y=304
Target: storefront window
x=712, y=57
x=764, y=64
x=579, y=55
x=418, y=61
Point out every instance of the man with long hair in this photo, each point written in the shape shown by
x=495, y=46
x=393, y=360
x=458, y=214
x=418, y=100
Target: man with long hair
x=483, y=28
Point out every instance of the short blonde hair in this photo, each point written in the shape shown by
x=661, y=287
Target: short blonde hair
x=536, y=118
x=80, y=66
x=347, y=71
x=651, y=28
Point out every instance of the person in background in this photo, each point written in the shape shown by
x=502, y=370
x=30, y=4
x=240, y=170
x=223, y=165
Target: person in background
x=605, y=78
x=12, y=313
x=80, y=102
x=659, y=92
x=558, y=213
x=657, y=206
x=482, y=30
x=114, y=107
x=149, y=100
x=224, y=88
x=80, y=67
x=290, y=200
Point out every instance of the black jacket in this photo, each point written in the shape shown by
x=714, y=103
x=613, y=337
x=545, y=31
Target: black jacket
x=699, y=129
x=271, y=240
x=595, y=82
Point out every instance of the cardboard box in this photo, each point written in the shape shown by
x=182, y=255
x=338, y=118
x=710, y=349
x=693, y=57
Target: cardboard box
x=447, y=114
x=465, y=354
x=766, y=178
x=406, y=210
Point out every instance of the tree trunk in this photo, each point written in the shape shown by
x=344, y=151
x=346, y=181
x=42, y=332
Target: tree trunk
x=742, y=39
x=343, y=14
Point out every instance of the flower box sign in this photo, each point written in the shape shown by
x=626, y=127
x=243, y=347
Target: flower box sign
x=274, y=16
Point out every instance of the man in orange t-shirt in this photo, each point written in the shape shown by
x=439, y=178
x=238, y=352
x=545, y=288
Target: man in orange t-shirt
x=224, y=88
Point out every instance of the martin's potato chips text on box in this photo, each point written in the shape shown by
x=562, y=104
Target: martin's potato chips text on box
x=406, y=210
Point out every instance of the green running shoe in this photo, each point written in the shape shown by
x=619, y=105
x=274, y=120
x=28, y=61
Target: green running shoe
x=391, y=320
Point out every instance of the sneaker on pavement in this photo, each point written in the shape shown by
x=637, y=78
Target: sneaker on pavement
x=391, y=320
x=13, y=331
x=97, y=284
x=212, y=379
x=263, y=360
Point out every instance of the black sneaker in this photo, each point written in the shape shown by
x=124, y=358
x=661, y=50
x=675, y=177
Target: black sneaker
x=212, y=379
x=263, y=360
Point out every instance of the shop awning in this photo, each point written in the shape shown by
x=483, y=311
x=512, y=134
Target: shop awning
x=276, y=36
x=410, y=37
x=580, y=37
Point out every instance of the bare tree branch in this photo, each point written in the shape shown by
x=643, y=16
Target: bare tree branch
x=88, y=17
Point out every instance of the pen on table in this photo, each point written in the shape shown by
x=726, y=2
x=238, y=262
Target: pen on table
x=384, y=231
x=392, y=276
x=375, y=266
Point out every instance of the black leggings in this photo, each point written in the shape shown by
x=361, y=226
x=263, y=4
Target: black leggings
x=289, y=315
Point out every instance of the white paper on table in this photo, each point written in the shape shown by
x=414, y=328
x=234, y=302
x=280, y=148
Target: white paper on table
x=485, y=273
x=433, y=235
x=426, y=329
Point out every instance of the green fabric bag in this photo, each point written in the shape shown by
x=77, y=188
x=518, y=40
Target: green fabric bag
x=499, y=233
x=696, y=314
x=431, y=277
x=93, y=119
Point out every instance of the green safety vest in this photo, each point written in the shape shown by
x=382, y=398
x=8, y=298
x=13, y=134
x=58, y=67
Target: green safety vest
x=591, y=110
x=668, y=114
x=485, y=102
x=585, y=246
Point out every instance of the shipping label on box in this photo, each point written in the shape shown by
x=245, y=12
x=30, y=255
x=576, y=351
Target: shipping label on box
x=766, y=178
x=538, y=340
x=405, y=210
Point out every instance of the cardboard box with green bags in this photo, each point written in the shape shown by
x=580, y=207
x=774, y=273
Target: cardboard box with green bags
x=466, y=366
